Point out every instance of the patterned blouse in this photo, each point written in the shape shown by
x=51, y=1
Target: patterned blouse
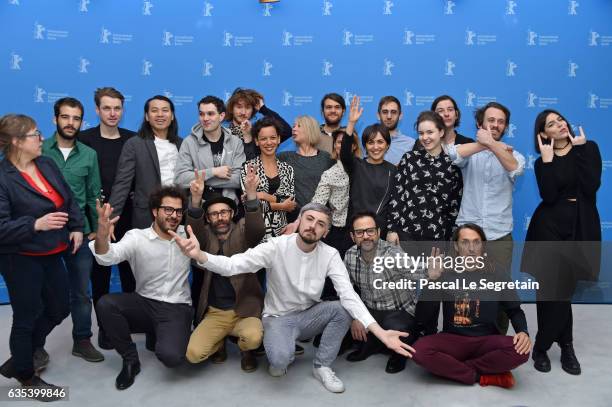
x=425, y=197
x=275, y=220
x=334, y=189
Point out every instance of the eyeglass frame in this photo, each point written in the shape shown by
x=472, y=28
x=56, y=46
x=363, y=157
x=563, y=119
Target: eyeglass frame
x=179, y=211
x=363, y=232
x=216, y=214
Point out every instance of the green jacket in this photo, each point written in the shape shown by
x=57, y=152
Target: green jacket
x=82, y=174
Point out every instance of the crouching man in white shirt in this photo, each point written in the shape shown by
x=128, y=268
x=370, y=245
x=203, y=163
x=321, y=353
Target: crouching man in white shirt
x=297, y=265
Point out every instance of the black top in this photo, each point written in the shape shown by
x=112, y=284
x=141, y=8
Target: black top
x=108, y=150
x=575, y=175
x=425, y=196
x=471, y=312
x=370, y=184
x=221, y=294
x=273, y=184
x=216, y=148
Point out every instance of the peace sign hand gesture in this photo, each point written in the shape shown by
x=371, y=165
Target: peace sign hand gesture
x=546, y=150
x=579, y=140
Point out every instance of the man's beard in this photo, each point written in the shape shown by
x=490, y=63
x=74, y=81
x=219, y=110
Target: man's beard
x=308, y=240
x=215, y=227
x=393, y=126
x=333, y=123
x=164, y=226
x=65, y=136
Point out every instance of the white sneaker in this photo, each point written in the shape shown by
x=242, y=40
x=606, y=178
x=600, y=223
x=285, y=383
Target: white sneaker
x=328, y=378
x=276, y=371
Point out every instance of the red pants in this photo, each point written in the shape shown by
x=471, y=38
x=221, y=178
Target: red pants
x=461, y=358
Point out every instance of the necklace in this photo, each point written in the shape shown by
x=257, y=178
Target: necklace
x=561, y=148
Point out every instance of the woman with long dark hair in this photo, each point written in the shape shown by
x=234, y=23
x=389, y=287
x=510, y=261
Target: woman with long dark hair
x=148, y=160
x=39, y=220
x=568, y=173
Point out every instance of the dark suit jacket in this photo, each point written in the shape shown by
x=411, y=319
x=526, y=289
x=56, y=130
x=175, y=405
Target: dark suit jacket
x=138, y=164
x=21, y=205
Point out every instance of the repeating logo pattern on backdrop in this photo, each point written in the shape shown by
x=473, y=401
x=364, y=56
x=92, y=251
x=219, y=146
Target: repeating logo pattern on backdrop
x=294, y=52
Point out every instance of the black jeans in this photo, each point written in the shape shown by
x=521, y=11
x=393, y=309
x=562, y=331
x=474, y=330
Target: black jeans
x=39, y=294
x=125, y=313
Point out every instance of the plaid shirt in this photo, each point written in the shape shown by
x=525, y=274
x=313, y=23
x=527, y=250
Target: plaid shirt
x=363, y=276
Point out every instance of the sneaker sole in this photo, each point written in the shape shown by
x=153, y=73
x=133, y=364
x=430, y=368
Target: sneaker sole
x=80, y=355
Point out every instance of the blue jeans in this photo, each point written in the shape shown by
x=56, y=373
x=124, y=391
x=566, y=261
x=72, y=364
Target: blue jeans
x=38, y=290
x=79, y=267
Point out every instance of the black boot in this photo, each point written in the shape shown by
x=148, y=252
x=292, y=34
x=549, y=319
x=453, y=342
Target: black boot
x=569, y=362
x=541, y=362
x=128, y=374
x=367, y=349
x=396, y=363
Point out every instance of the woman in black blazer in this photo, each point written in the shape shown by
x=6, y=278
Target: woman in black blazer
x=566, y=230
x=39, y=219
x=147, y=161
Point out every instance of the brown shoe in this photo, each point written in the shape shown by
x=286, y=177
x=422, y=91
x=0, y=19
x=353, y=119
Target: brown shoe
x=219, y=356
x=249, y=361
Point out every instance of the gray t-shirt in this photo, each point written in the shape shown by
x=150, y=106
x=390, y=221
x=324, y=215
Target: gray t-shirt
x=307, y=173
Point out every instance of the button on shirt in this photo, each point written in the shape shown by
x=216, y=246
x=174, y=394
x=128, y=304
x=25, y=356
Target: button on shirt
x=487, y=191
x=295, y=279
x=160, y=268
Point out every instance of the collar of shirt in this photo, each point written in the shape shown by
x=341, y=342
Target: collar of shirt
x=151, y=234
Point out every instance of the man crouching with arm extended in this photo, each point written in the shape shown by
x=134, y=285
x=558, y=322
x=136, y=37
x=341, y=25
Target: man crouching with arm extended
x=297, y=265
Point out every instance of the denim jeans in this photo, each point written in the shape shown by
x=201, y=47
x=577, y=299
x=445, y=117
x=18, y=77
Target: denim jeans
x=79, y=267
x=38, y=290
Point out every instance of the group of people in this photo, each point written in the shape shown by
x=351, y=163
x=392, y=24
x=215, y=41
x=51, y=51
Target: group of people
x=282, y=247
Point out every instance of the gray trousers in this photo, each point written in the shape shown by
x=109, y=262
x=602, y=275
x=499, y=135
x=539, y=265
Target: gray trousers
x=280, y=333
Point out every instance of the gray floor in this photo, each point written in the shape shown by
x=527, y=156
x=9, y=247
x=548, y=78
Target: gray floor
x=366, y=382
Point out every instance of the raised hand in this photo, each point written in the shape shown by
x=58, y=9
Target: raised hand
x=546, y=150
x=578, y=140
x=484, y=136
x=355, y=111
x=251, y=182
x=106, y=225
x=51, y=221
x=190, y=246
x=245, y=127
x=196, y=187
x=434, y=271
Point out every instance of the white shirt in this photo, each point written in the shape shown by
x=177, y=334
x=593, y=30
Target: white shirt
x=167, y=155
x=295, y=279
x=160, y=268
x=66, y=151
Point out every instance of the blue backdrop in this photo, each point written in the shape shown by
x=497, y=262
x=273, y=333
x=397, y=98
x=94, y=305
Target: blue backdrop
x=528, y=55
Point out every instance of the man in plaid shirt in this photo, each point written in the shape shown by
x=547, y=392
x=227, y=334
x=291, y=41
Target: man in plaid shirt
x=391, y=308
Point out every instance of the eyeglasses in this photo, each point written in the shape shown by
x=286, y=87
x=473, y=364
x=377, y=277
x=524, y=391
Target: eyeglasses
x=223, y=212
x=169, y=210
x=368, y=231
x=36, y=133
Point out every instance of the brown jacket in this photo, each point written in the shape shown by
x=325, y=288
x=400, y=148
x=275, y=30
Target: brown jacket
x=245, y=234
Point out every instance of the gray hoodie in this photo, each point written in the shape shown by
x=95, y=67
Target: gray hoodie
x=195, y=153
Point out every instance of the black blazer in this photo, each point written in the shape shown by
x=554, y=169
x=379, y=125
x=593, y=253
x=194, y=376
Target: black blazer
x=138, y=164
x=21, y=205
